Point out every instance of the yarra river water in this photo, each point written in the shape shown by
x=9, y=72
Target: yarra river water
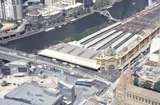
x=77, y=29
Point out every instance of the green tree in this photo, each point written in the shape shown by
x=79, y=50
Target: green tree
x=147, y=85
x=136, y=81
x=1, y=25
x=157, y=86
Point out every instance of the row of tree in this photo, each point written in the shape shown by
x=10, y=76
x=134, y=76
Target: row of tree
x=148, y=85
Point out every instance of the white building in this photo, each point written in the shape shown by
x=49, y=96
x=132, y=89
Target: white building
x=69, y=2
x=2, y=9
x=68, y=7
x=50, y=2
x=73, y=9
x=65, y=2
x=11, y=10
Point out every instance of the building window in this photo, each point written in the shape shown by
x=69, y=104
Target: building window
x=146, y=101
x=140, y=99
x=149, y=101
x=133, y=97
x=129, y=95
x=154, y=103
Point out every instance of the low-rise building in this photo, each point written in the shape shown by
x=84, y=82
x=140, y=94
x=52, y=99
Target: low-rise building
x=73, y=10
x=33, y=94
x=11, y=102
x=92, y=101
x=18, y=67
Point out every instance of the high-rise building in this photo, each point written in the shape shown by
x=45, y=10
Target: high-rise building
x=11, y=10
x=2, y=9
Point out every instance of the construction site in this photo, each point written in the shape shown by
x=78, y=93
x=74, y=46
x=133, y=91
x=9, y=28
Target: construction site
x=112, y=47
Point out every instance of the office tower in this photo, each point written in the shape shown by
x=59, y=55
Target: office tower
x=11, y=10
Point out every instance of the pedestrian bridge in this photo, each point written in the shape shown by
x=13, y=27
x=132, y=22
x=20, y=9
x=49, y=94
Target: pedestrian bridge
x=107, y=14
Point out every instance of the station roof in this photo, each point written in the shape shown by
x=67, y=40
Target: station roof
x=73, y=54
x=70, y=58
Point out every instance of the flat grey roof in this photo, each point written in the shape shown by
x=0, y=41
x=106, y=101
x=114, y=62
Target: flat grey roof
x=35, y=95
x=75, y=50
x=11, y=102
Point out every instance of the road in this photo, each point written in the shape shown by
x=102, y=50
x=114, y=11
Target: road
x=12, y=55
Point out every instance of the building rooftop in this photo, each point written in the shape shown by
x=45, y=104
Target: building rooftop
x=14, y=82
x=92, y=101
x=149, y=72
x=19, y=62
x=73, y=54
x=8, y=26
x=149, y=94
x=34, y=94
x=48, y=11
x=11, y=102
x=150, y=66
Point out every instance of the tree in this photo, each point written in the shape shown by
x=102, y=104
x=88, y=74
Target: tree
x=157, y=86
x=136, y=81
x=147, y=85
x=1, y=25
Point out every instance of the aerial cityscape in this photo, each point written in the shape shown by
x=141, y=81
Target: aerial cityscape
x=79, y=52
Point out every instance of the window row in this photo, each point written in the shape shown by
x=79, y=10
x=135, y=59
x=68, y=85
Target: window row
x=141, y=99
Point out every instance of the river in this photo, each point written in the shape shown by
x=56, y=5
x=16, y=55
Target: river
x=77, y=29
